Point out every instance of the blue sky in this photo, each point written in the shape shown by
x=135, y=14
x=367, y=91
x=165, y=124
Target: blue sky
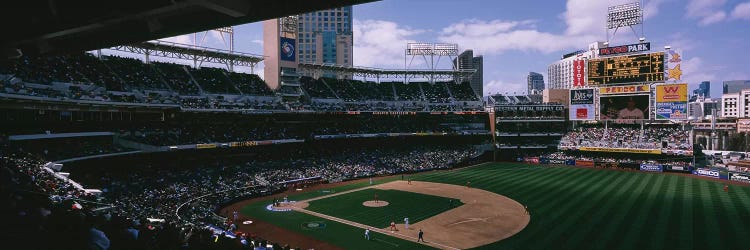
x=516, y=37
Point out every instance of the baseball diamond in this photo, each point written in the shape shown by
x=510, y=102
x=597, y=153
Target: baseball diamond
x=568, y=205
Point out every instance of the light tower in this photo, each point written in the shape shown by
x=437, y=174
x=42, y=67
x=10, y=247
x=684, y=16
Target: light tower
x=625, y=15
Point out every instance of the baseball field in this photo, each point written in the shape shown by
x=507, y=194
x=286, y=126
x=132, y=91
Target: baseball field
x=570, y=208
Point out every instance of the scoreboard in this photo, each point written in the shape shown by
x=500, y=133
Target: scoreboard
x=626, y=69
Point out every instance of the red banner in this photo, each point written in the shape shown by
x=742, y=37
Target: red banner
x=584, y=163
x=578, y=80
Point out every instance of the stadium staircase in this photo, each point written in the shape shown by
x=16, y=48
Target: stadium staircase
x=229, y=80
x=193, y=81
x=323, y=80
x=450, y=93
x=160, y=75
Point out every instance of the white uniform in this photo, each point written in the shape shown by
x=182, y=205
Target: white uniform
x=630, y=114
x=406, y=222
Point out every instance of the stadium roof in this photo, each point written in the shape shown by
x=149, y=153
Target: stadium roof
x=52, y=27
x=191, y=52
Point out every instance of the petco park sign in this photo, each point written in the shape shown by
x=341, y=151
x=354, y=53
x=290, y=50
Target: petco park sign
x=624, y=49
x=705, y=172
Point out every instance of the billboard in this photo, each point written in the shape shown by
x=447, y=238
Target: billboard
x=621, y=150
x=582, y=104
x=628, y=89
x=626, y=69
x=743, y=125
x=287, y=49
x=578, y=73
x=671, y=101
x=672, y=69
x=651, y=167
x=624, y=107
x=707, y=173
x=623, y=49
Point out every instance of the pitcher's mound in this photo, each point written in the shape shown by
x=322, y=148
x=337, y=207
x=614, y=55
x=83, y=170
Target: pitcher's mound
x=375, y=203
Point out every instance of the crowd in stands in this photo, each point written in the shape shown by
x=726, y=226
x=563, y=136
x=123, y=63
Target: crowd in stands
x=213, y=80
x=191, y=133
x=626, y=137
x=162, y=207
x=61, y=148
x=84, y=76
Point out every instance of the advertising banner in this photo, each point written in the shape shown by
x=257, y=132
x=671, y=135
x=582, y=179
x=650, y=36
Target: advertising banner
x=628, y=89
x=584, y=163
x=543, y=160
x=534, y=160
x=556, y=161
x=739, y=177
x=622, y=150
x=288, y=49
x=672, y=68
x=622, y=49
x=651, y=167
x=570, y=162
x=582, y=104
x=707, y=172
x=671, y=101
x=743, y=125
x=629, y=107
x=578, y=73
x=205, y=146
x=672, y=92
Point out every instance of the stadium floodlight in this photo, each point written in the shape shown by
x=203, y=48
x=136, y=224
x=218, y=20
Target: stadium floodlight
x=624, y=15
x=419, y=49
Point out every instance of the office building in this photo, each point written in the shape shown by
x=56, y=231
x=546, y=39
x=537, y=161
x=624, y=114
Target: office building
x=467, y=60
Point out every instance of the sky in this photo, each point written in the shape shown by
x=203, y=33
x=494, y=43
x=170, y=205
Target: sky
x=518, y=37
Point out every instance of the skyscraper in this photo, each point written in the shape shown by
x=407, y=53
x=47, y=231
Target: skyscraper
x=317, y=37
x=535, y=83
x=732, y=87
x=704, y=89
x=467, y=60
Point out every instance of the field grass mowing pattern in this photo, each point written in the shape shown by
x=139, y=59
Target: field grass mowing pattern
x=575, y=208
x=415, y=206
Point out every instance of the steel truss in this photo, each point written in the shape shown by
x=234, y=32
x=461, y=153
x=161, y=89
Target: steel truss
x=198, y=54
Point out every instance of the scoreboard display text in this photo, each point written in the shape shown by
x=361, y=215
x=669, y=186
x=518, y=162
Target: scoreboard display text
x=626, y=69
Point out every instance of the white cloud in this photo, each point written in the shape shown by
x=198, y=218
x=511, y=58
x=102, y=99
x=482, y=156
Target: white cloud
x=695, y=71
x=680, y=41
x=707, y=11
x=651, y=8
x=741, y=11
x=487, y=38
x=379, y=43
x=496, y=86
x=713, y=18
x=586, y=17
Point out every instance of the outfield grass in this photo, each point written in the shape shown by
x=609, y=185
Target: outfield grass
x=402, y=204
x=576, y=208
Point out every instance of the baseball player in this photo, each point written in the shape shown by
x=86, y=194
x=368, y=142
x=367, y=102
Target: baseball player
x=406, y=222
x=367, y=233
x=393, y=226
x=420, y=236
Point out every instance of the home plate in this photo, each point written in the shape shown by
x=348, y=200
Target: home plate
x=247, y=222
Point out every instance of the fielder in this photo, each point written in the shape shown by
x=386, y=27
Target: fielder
x=406, y=222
